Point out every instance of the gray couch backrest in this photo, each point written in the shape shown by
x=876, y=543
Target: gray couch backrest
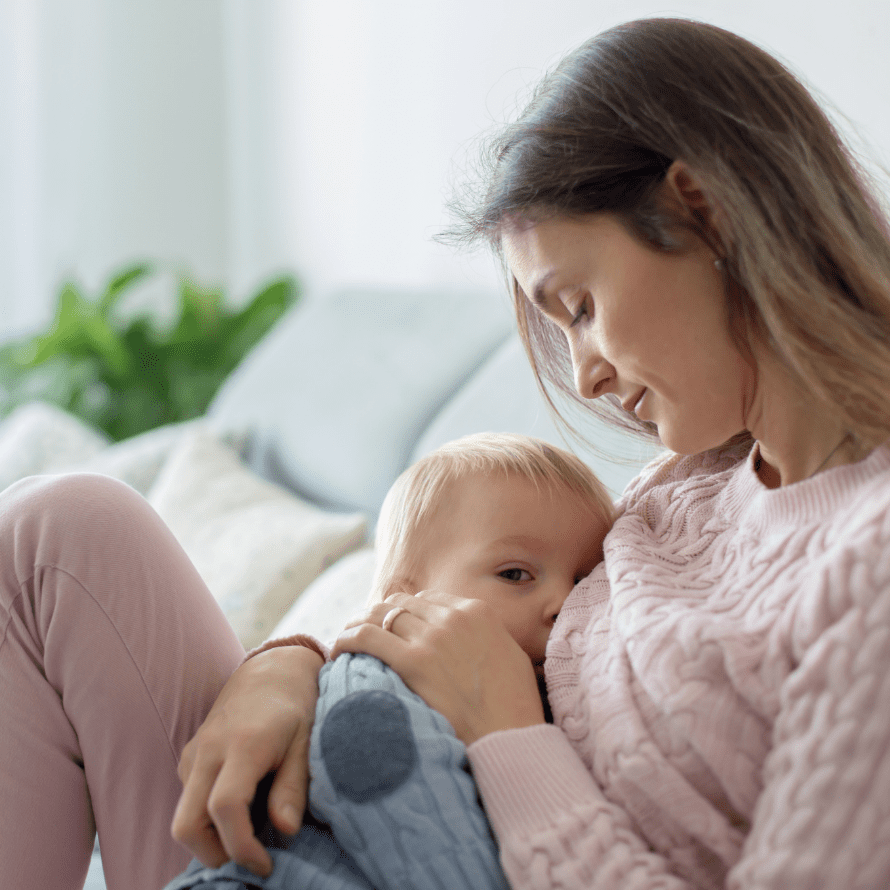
x=347, y=390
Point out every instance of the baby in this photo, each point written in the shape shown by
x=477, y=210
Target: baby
x=502, y=518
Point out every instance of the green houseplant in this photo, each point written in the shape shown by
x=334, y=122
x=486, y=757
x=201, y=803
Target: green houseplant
x=126, y=375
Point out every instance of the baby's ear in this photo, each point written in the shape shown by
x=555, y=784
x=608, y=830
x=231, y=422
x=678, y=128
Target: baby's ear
x=400, y=584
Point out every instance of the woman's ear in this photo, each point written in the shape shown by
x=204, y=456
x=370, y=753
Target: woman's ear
x=689, y=196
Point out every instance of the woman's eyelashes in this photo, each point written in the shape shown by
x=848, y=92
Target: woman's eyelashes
x=516, y=576
x=582, y=311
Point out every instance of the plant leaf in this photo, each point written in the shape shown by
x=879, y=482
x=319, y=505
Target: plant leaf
x=120, y=283
x=108, y=345
x=128, y=376
x=250, y=325
x=200, y=311
x=65, y=337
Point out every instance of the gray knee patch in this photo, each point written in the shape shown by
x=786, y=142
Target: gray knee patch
x=367, y=745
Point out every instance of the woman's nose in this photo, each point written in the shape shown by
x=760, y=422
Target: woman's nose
x=592, y=372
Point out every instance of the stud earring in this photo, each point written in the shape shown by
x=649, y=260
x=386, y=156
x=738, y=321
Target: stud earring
x=718, y=264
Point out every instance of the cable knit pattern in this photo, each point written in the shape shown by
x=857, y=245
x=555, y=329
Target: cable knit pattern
x=721, y=688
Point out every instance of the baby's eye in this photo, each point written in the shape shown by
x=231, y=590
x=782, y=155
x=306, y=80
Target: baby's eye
x=515, y=575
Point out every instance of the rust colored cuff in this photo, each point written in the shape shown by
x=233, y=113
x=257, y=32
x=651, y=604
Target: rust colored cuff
x=304, y=640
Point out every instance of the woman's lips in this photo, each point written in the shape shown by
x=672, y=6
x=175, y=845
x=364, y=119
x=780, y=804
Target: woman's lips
x=631, y=404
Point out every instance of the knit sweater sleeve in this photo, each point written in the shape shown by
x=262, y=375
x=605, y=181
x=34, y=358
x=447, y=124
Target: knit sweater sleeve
x=554, y=827
x=822, y=818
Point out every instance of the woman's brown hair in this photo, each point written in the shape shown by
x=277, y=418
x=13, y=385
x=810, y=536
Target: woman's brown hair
x=805, y=246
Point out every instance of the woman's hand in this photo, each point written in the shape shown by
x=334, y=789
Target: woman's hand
x=261, y=721
x=457, y=656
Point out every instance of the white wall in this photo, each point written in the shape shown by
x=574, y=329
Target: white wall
x=237, y=137
x=391, y=93
x=112, y=143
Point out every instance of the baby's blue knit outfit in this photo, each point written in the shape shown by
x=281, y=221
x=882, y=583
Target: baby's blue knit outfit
x=389, y=777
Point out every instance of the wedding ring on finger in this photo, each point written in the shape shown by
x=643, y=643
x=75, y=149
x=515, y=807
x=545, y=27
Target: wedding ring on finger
x=390, y=617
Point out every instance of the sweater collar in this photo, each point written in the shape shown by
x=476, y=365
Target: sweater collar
x=810, y=499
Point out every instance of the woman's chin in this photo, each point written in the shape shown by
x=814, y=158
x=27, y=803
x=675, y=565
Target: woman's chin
x=681, y=442
x=685, y=446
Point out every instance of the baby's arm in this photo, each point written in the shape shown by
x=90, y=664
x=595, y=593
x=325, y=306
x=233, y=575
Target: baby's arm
x=389, y=776
x=391, y=779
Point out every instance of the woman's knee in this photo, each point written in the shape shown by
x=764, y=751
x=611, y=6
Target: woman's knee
x=70, y=494
x=76, y=519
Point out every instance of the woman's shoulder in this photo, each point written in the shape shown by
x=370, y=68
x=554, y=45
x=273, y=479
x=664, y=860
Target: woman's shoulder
x=862, y=492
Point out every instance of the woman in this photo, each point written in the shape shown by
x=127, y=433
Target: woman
x=685, y=233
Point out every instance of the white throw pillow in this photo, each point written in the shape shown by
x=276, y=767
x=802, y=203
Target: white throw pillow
x=256, y=545
x=41, y=438
x=138, y=460
x=331, y=599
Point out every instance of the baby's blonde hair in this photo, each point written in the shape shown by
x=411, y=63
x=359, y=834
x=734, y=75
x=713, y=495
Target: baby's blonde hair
x=414, y=497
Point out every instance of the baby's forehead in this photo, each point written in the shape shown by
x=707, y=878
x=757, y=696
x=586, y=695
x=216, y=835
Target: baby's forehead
x=555, y=490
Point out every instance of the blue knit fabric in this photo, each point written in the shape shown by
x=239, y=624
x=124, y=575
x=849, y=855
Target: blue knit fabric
x=390, y=778
x=312, y=861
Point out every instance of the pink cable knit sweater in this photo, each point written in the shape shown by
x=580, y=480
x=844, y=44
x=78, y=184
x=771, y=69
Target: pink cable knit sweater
x=721, y=691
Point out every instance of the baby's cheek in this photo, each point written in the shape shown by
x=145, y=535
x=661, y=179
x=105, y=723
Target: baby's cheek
x=533, y=644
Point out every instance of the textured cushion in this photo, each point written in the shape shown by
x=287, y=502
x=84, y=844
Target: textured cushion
x=137, y=461
x=331, y=599
x=340, y=390
x=256, y=545
x=504, y=397
x=40, y=438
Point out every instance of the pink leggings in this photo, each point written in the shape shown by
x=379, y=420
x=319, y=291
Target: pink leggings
x=112, y=651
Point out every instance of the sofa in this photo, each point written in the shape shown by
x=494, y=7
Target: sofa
x=274, y=493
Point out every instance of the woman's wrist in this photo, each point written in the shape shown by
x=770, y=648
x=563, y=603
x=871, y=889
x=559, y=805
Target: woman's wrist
x=304, y=659
x=304, y=641
x=492, y=723
x=286, y=672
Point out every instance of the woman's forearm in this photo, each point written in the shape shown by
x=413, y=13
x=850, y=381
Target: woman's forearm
x=555, y=828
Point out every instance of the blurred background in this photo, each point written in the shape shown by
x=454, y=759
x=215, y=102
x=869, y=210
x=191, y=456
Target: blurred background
x=239, y=139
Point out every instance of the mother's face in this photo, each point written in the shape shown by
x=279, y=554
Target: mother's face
x=648, y=327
